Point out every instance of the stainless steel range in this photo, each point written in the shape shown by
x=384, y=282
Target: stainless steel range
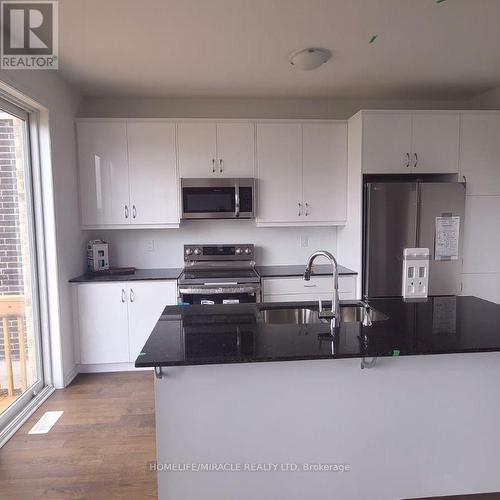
x=219, y=274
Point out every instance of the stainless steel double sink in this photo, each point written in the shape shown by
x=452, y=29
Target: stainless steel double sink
x=349, y=313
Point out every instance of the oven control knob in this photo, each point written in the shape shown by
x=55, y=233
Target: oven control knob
x=197, y=251
x=188, y=251
x=248, y=251
x=239, y=251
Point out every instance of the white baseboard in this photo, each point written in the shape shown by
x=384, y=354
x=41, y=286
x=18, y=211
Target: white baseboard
x=68, y=377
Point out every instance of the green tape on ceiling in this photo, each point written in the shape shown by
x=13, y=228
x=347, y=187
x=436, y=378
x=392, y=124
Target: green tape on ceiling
x=373, y=38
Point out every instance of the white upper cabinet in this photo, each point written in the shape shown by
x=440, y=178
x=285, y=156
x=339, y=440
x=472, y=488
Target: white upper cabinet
x=209, y=149
x=128, y=174
x=103, y=170
x=324, y=172
x=279, y=164
x=480, y=153
x=302, y=172
x=410, y=143
x=152, y=173
x=435, y=142
x=386, y=143
x=197, y=149
x=236, y=149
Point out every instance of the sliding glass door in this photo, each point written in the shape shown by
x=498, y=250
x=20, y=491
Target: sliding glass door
x=21, y=374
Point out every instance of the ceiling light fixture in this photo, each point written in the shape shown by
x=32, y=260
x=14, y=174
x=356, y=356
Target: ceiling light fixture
x=308, y=59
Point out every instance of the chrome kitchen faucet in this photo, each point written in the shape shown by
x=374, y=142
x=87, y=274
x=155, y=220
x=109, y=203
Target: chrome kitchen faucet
x=334, y=314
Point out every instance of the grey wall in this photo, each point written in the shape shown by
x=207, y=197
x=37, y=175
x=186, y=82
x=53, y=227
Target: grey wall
x=62, y=102
x=246, y=107
x=488, y=100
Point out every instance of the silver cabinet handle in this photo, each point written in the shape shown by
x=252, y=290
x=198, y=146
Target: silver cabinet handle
x=132, y=295
x=237, y=201
x=300, y=209
x=407, y=160
x=124, y=296
x=307, y=209
x=126, y=211
x=134, y=212
x=220, y=166
x=416, y=160
x=213, y=165
x=310, y=286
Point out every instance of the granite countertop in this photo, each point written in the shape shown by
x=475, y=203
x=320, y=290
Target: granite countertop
x=298, y=270
x=218, y=334
x=139, y=275
x=174, y=273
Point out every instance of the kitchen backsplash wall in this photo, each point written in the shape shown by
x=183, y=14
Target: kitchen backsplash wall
x=143, y=248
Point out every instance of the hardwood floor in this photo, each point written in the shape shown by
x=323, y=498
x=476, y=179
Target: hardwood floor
x=99, y=448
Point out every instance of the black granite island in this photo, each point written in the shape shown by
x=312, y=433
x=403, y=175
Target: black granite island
x=412, y=426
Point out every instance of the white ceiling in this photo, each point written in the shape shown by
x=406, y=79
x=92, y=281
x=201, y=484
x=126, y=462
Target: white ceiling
x=424, y=49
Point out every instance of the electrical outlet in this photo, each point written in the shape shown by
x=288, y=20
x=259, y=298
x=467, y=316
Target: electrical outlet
x=150, y=245
x=304, y=241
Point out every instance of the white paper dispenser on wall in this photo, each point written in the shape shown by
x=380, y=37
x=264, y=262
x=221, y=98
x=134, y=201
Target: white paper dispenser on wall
x=415, y=273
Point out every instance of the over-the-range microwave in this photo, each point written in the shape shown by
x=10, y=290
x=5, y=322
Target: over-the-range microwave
x=223, y=198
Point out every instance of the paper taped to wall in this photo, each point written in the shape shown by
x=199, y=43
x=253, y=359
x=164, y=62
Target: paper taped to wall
x=447, y=238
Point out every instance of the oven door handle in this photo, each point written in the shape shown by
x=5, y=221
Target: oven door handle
x=237, y=200
x=217, y=290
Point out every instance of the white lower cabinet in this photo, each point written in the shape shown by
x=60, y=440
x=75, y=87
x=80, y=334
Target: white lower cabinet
x=147, y=300
x=103, y=323
x=115, y=319
x=296, y=289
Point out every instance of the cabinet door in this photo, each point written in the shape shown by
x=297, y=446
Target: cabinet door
x=311, y=297
x=235, y=149
x=435, y=143
x=147, y=299
x=317, y=286
x=153, y=173
x=480, y=157
x=103, y=322
x=386, y=143
x=279, y=164
x=324, y=172
x=103, y=169
x=197, y=149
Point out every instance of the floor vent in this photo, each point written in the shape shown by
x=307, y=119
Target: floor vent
x=46, y=423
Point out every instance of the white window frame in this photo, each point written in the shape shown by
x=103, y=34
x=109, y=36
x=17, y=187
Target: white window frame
x=45, y=245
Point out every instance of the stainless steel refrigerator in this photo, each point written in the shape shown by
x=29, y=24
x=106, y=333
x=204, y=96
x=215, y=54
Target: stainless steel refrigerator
x=400, y=215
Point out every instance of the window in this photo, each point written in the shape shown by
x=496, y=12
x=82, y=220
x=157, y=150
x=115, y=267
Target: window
x=21, y=375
